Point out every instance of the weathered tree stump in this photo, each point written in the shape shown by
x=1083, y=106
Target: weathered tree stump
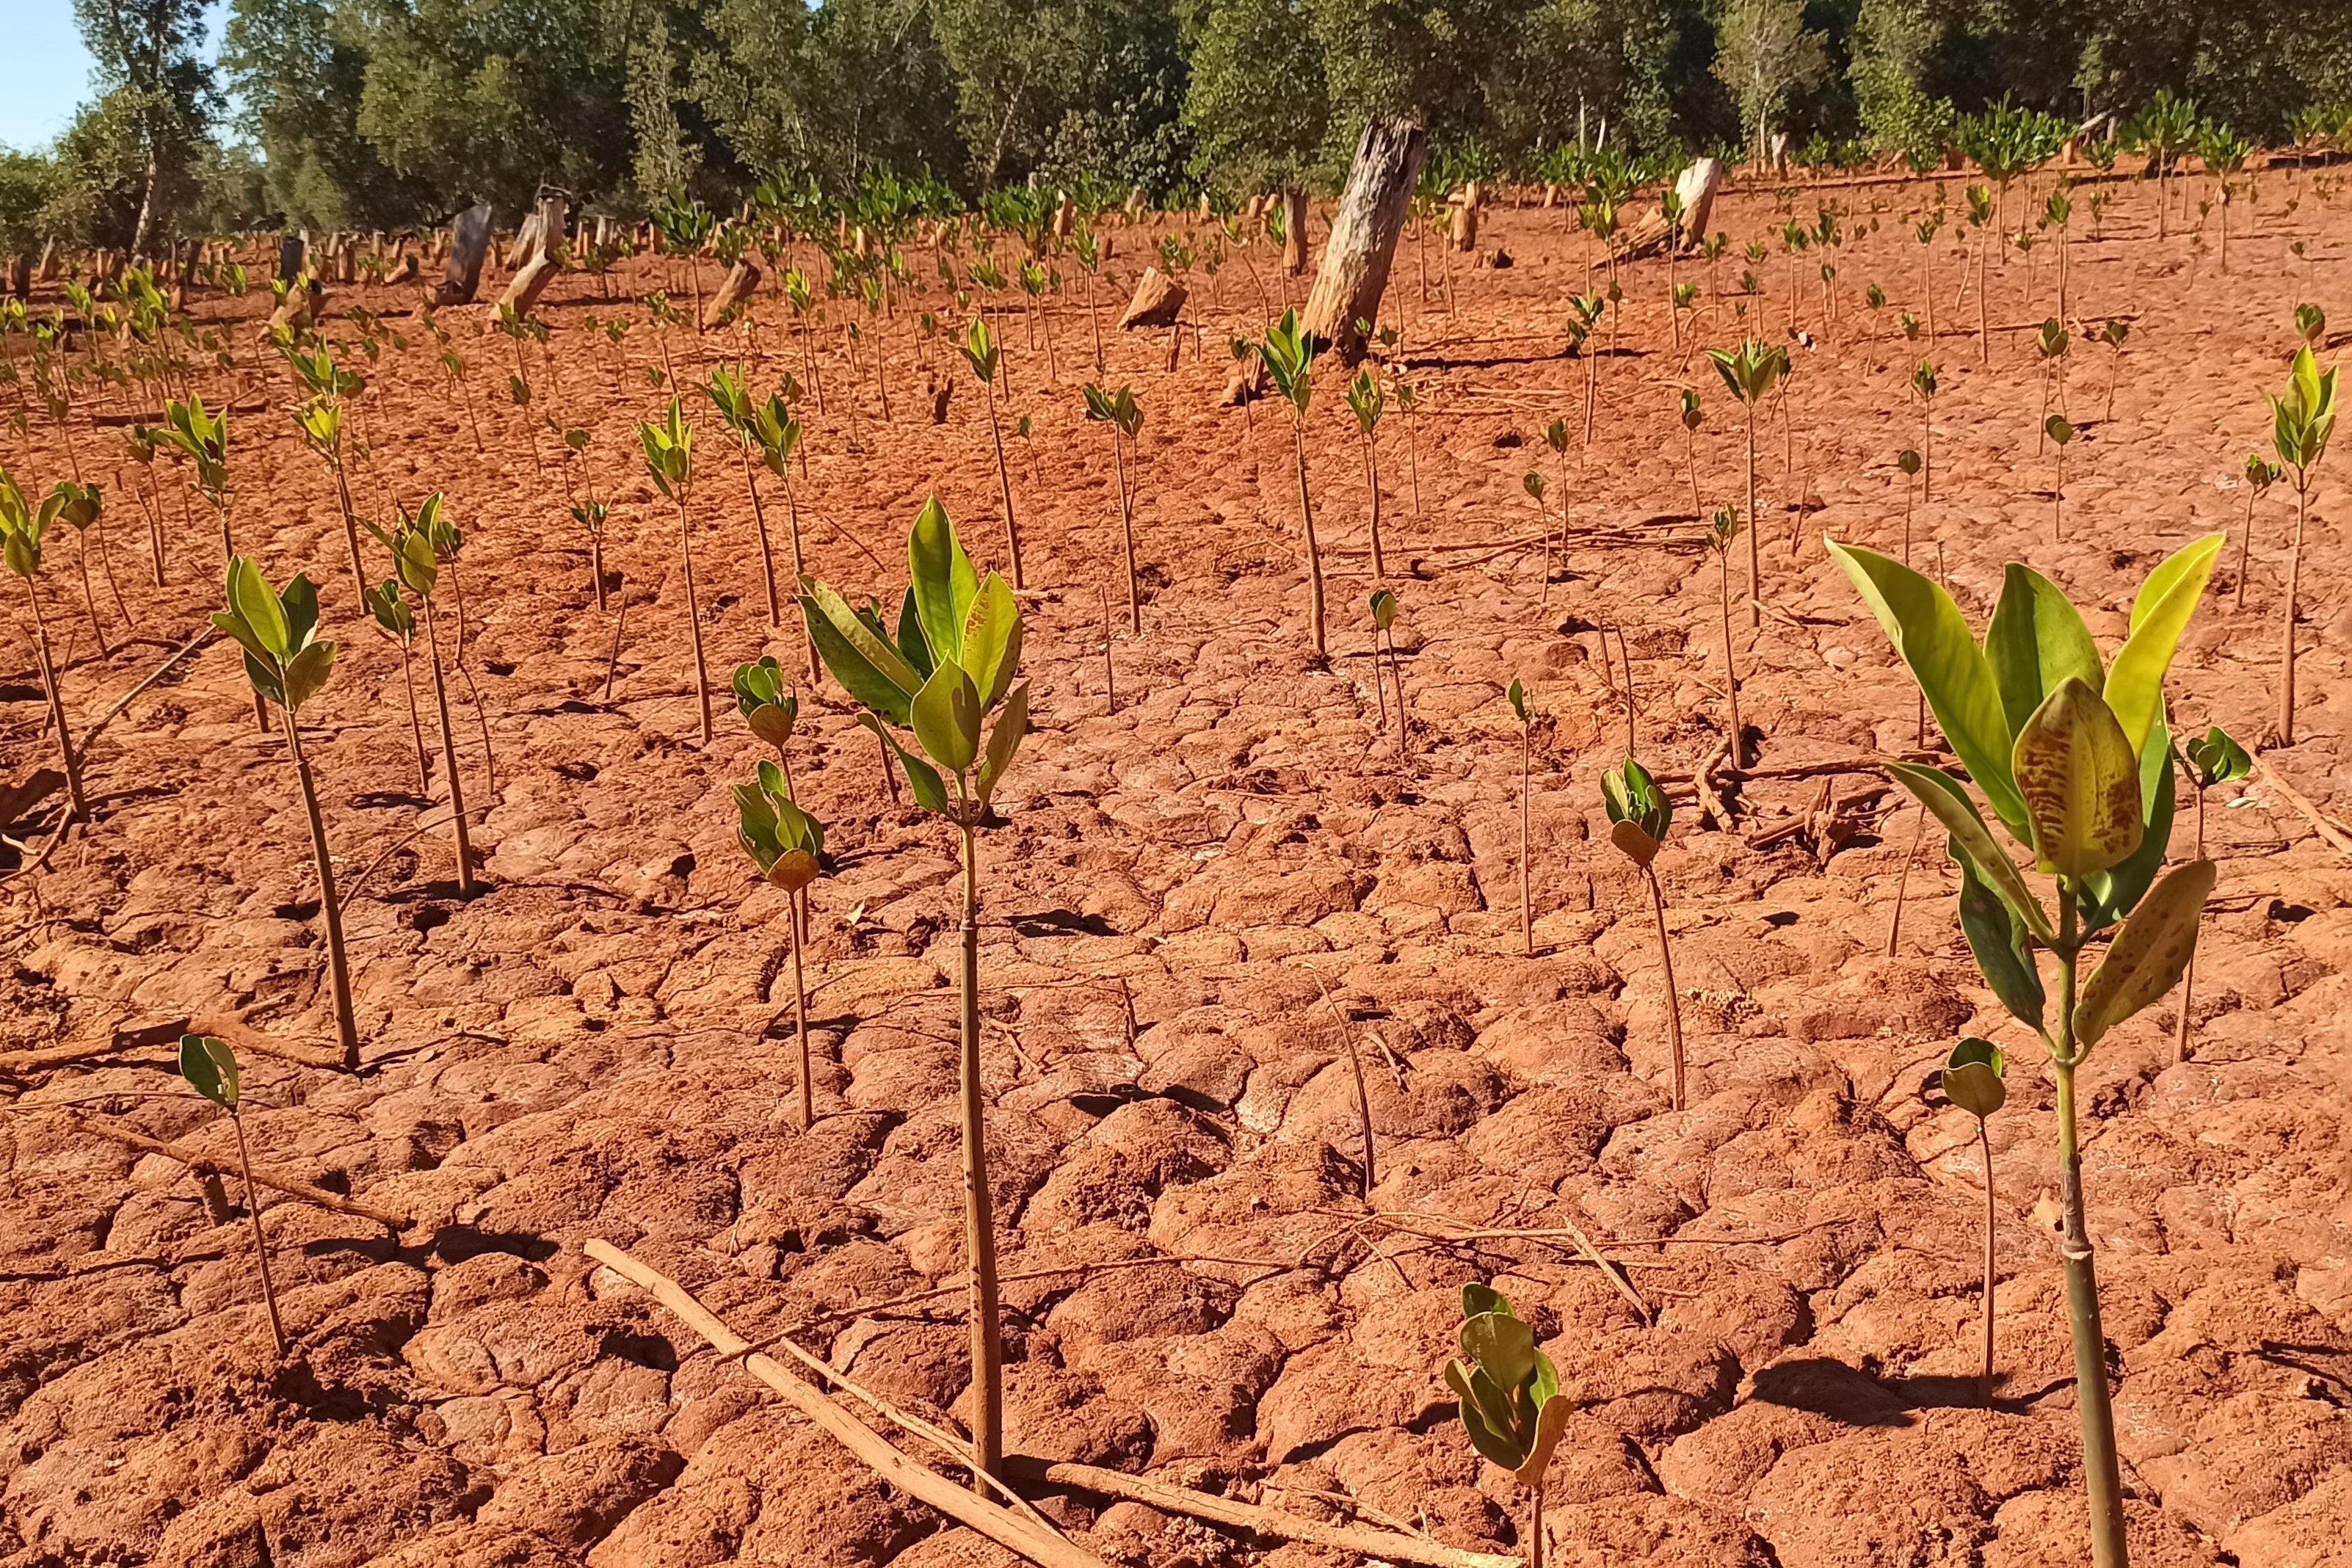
x=293, y=254
x=1462, y=218
x=1362, y=241
x=741, y=279
x=1294, y=232
x=468, y=247
x=523, y=290
x=1159, y=300
x=1696, y=186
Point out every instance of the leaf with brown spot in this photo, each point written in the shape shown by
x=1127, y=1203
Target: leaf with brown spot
x=2148, y=954
x=2079, y=777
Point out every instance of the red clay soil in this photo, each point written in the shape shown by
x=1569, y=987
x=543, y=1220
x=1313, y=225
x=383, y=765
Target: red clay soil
x=598, y=1045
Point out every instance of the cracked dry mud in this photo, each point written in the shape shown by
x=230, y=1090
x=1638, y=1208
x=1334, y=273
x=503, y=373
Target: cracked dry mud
x=591, y=1047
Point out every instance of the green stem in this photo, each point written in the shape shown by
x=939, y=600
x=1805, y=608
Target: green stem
x=2100, y=1473
x=980, y=1228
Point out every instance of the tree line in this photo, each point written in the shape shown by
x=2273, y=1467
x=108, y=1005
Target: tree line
x=329, y=114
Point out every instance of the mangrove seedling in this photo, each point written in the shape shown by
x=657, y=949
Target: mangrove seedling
x=2052, y=346
x=2212, y=758
x=2060, y=434
x=289, y=666
x=1366, y=398
x=1752, y=371
x=1119, y=410
x=2113, y=333
x=1924, y=385
x=1289, y=355
x=21, y=527
x=210, y=1067
x=741, y=413
x=2072, y=754
x=1973, y=1081
x=1533, y=483
x=396, y=619
x=2310, y=324
x=953, y=662
x=785, y=843
x=1692, y=416
x=980, y=352
x=1509, y=1396
x=80, y=508
x=1722, y=529
x=2261, y=475
x=320, y=421
x=669, y=457
x=1518, y=698
x=2301, y=422
x=1384, y=613
x=417, y=544
x=1639, y=815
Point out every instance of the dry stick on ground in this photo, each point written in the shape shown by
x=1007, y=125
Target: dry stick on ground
x=1624, y=1287
x=210, y=1166
x=1355, y=1063
x=1903, y=884
x=2329, y=833
x=1354, y=1541
x=925, y=1485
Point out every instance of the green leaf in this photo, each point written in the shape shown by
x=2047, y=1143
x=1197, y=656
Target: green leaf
x=2106, y=896
x=946, y=718
x=1973, y=842
x=2148, y=954
x=2036, y=639
x=307, y=672
x=1504, y=1348
x=1500, y=1409
x=1496, y=1445
x=2079, y=782
x=1012, y=724
x=1477, y=1297
x=234, y=625
x=1972, y=1078
x=210, y=1067
x=912, y=648
x=1997, y=940
x=943, y=580
x=831, y=608
x=1928, y=631
x=930, y=790
x=2159, y=615
x=1551, y=1419
x=2218, y=759
x=1519, y=699
x=251, y=598
x=991, y=640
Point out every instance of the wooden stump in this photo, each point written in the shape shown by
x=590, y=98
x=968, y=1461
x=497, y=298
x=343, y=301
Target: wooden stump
x=20, y=274
x=292, y=253
x=1462, y=218
x=741, y=278
x=1159, y=300
x=1697, y=186
x=469, y=246
x=522, y=293
x=1294, y=232
x=1362, y=241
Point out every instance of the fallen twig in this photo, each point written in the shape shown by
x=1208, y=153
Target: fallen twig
x=919, y=1481
x=1379, y=1546
x=2329, y=833
x=123, y=701
x=270, y=1179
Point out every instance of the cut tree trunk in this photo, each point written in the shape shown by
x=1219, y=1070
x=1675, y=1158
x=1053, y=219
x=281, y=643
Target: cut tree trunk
x=1159, y=300
x=469, y=247
x=1294, y=232
x=1462, y=221
x=1696, y=186
x=1362, y=242
x=740, y=280
x=522, y=293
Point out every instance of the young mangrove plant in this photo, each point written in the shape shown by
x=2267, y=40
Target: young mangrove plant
x=1752, y=371
x=1289, y=355
x=1973, y=1081
x=1692, y=418
x=1119, y=410
x=393, y=616
x=1924, y=385
x=2301, y=422
x=2113, y=333
x=80, y=508
x=1508, y=1395
x=980, y=352
x=1384, y=613
x=289, y=666
x=2212, y=758
x=210, y=1067
x=1519, y=699
x=2060, y=434
x=2072, y=754
x=669, y=457
x=952, y=664
x=1368, y=401
x=320, y=421
x=2261, y=475
x=741, y=412
x=786, y=844
x=21, y=527
x=1721, y=529
x=417, y=544
x=1639, y=815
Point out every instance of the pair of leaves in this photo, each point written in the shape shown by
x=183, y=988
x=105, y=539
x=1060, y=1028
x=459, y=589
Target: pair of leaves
x=979, y=347
x=1752, y=369
x=1367, y=399
x=769, y=711
x=1508, y=1390
x=1639, y=812
x=2303, y=420
x=1973, y=1077
x=1117, y=409
x=785, y=842
x=669, y=450
x=1288, y=354
x=21, y=527
x=277, y=632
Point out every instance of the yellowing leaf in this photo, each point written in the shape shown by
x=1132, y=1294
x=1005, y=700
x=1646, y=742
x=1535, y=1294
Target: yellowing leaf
x=2148, y=954
x=2079, y=782
x=2159, y=615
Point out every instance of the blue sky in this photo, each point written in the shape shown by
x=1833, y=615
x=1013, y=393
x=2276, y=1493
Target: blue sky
x=49, y=71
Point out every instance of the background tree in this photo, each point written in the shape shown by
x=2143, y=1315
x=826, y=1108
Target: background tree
x=159, y=92
x=1763, y=53
x=1256, y=106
